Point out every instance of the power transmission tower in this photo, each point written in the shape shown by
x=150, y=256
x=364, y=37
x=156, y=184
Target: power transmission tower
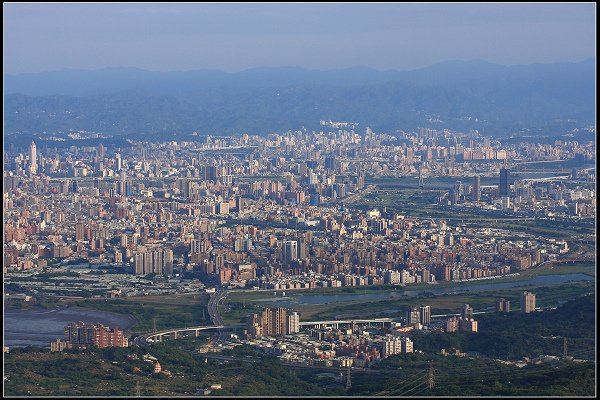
x=137, y=389
x=565, y=347
x=348, y=381
x=154, y=324
x=430, y=381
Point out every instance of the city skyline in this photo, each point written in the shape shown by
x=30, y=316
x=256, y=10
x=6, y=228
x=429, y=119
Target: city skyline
x=348, y=210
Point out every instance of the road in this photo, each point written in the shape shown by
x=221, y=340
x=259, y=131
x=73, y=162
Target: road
x=213, y=306
x=213, y=311
x=354, y=196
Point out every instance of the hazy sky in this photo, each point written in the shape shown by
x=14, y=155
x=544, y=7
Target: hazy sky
x=234, y=37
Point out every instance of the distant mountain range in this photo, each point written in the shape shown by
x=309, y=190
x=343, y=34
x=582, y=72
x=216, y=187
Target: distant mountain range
x=495, y=99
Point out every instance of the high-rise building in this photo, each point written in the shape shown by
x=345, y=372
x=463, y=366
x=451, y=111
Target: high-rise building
x=332, y=163
x=122, y=184
x=293, y=323
x=391, y=345
x=140, y=263
x=476, y=188
x=101, y=151
x=406, y=345
x=503, y=306
x=199, y=247
x=290, y=251
x=223, y=208
x=79, y=333
x=280, y=321
x=79, y=231
x=452, y=324
x=158, y=261
x=167, y=262
x=392, y=277
x=273, y=322
x=302, y=249
x=425, y=315
x=504, y=187
x=467, y=325
x=254, y=325
x=405, y=276
x=466, y=312
x=32, y=158
x=266, y=322
x=459, y=188
x=527, y=302
x=412, y=316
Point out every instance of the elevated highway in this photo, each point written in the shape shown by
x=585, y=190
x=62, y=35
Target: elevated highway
x=337, y=323
x=148, y=338
x=175, y=333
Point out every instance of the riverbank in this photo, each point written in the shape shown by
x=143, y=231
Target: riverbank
x=392, y=301
x=37, y=326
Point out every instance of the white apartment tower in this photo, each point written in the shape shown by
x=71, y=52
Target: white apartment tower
x=32, y=158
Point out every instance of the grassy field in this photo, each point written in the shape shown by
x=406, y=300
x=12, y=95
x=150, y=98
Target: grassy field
x=587, y=268
x=482, y=301
x=189, y=310
x=168, y=311
x=240, y=304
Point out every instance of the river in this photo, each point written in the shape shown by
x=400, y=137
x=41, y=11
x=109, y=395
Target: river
x=40, y=327
x=471, y=287
x=37, y=327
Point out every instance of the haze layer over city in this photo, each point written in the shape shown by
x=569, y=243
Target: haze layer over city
x=299, y=199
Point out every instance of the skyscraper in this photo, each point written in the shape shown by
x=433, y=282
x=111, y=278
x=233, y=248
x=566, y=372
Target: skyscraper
x=392, y=345
x=504, y=188
x=118, y=161
x=267, y=322
x=273, y=322
x=503, y=306
x=101, y=151
x=527, y=302
x=158, y=261
x=425, y=314
x=32, y=158
x=280, y=321
x=412, y=316
x=290, y=251
x=79, y=231
x=476, y=188
x=407, y=345
x=293, y=323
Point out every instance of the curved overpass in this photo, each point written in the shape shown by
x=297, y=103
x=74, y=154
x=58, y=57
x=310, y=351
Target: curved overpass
x=148, y=338
x=143, y=340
